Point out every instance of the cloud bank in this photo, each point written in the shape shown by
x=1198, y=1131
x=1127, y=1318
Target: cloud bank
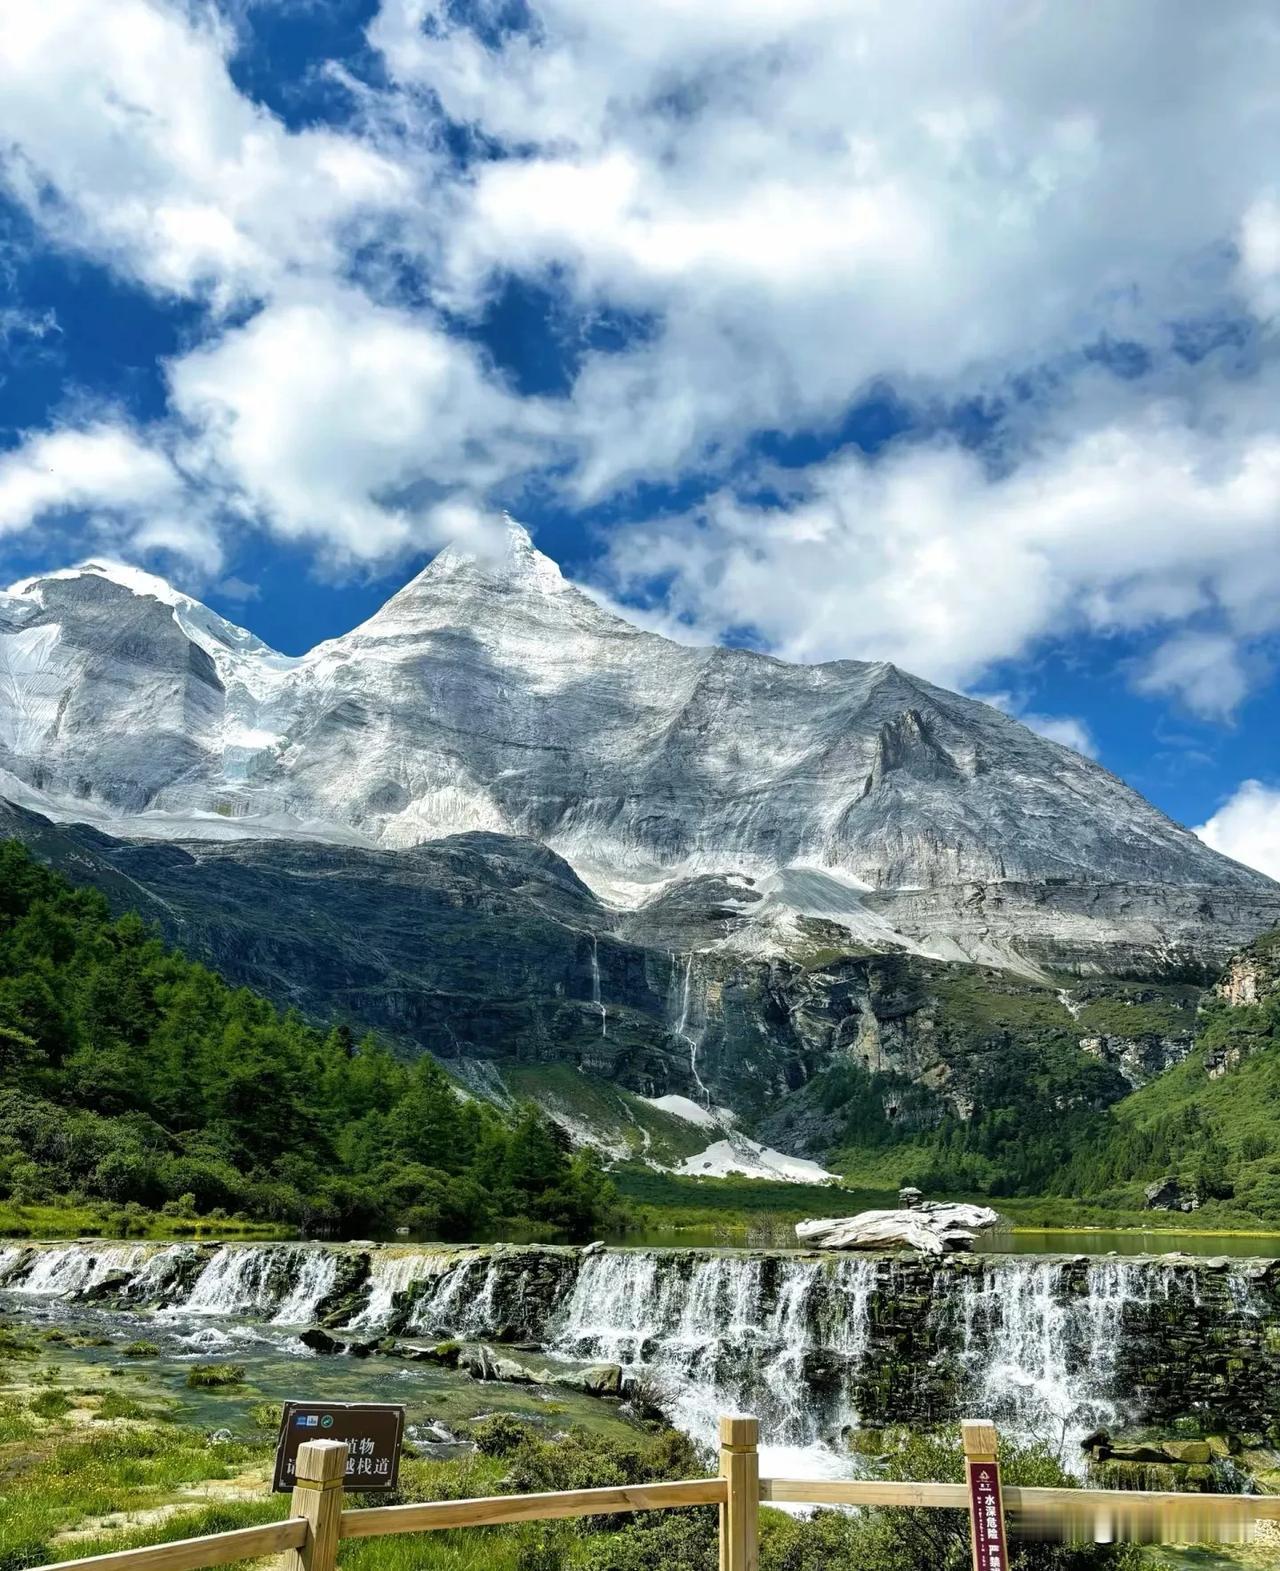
x=1054, y=235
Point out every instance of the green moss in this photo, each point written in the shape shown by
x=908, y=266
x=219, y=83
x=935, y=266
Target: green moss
x=113, y=1406
x=1136, y=1010
x=215, y=1375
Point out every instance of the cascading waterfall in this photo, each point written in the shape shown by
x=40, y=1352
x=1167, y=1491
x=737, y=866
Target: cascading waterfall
x=392, y=1276
x=75, y=1270
x=315, y=1277
x=1041, y=1356
x=462, y=1295
x=160, y=1274
x=595, y=986
x=727, y=1333
x=1069, y=1004
x=281, y=1282
x=1049, y=1348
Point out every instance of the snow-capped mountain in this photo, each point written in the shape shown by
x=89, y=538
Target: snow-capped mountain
x=494, y=695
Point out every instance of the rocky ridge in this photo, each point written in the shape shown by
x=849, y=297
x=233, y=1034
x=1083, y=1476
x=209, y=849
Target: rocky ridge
x=490, y=695
x=490, y=952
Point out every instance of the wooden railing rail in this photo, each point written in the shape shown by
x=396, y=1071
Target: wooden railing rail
x=310, y=1536
x=1018, y=1501
x=496, y=1509
x=190, y=1554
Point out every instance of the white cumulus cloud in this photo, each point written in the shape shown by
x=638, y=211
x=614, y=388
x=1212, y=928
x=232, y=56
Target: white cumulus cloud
x=799, y=201
x=333, y=419
x=1248, y=827
x=926, y=559
x=810, y=196
x=123, y=133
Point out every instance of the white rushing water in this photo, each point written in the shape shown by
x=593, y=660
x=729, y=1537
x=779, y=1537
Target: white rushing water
x=392, y=1275
x=685, y=1030
x=1041, y=1357
x=1044, y=1346
x=727, y=1333
x=281, y=1282
x=74, y=1270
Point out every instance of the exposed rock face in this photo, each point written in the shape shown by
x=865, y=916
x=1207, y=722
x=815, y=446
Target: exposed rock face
x=1167, y=1194
x=1253, y=976
x=499, y=823
x=1243, y=1010
x=493, y=696
x=483, y=947
x=1138, y=1059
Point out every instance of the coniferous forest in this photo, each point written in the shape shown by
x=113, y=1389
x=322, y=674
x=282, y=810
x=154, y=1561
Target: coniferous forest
x=131, y=1074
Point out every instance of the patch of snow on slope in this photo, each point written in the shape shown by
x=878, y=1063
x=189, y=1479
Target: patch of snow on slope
x=692, y=1112
x=749, y=1159
x=190, y=824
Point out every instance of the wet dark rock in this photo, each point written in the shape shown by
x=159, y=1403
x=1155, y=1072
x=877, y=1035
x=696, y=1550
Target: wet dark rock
x=350, y=1291
x=111, y=1286
x=321, y=1341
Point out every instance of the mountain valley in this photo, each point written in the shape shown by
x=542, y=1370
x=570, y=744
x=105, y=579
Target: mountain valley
x=498, y=824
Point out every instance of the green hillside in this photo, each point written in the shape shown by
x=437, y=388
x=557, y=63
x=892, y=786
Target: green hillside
x=131, y=1075
x=1045, y=1120
x=1213, y=1120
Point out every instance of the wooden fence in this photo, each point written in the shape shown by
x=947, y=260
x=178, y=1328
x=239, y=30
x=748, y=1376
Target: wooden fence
x=310, y=1536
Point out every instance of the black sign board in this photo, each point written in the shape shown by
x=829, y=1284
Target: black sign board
x=373, y=1432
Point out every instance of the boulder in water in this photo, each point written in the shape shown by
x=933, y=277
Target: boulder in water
x=446, y=1354
x=599, y=1380
x=320, y=1341
x=932, y=1227
x=482, y=1363
x=110, y=1286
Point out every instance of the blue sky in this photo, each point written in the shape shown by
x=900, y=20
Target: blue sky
x=939, y=334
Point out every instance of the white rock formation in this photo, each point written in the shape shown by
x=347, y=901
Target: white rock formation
x=932, y=1227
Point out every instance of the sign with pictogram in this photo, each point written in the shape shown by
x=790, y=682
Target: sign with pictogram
x=373, y=1432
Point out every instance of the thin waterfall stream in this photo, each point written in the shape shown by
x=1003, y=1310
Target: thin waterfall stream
x=685, y=1031
x=595, y=986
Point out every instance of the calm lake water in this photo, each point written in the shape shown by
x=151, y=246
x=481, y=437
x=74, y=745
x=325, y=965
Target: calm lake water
x=1040, y=1242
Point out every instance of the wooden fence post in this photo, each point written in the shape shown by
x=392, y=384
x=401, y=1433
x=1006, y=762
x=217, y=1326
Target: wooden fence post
x=986, y=1505
x=317, y=1496
x=740, y=1514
